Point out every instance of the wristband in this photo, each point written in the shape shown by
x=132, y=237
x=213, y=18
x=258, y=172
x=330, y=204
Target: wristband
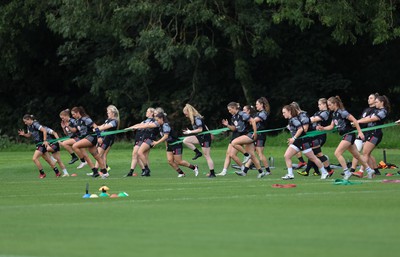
x=97, y=130
x=294, y=137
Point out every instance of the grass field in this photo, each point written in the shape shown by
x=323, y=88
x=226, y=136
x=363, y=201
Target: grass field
x=193, y=216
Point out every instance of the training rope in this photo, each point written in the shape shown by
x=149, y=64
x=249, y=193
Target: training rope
x=375, y=127
x=219, y=131
x=317, y=132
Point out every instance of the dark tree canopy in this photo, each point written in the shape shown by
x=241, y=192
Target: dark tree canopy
x=135, y=54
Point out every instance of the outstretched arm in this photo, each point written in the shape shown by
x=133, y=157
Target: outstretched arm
x=165, y=137
x=322, y=128
x=22, y=133
x=356, y=125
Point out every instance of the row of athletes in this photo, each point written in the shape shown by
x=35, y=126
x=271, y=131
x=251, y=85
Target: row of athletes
x=245, y=139
x=245, y=124
x=300, y=124
x=79, y=128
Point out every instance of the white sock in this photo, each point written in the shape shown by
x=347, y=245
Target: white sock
x=65, y=171
x=323, y=170
x=224, y=170
x=290, y=171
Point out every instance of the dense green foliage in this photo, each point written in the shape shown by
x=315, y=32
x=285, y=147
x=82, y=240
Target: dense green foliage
x=61, y=53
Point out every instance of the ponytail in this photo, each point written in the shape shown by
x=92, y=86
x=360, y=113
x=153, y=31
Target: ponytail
x=28, y=117
x=336, y=100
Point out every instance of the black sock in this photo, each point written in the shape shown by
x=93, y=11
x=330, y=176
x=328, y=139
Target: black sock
x=352, y=170
x=328, y=168
x=131, y=171
x=82, y=160
x=260, y=171
x=212, y=172
x=316, y=169
x=191, y=166
x=73, y=155
x=94, y=170
x=180, y=171
x=41, y=172
x=310, y=164
x=104, y=171
x=301, y=159
x=246, y=154
x=245, y=170
x=267, y=169
x=196, y=151
x=56, y=170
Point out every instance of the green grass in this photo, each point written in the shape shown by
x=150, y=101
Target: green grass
x=167, y=216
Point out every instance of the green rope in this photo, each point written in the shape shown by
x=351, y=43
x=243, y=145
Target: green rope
x=107, y=133
x=218, y=131
x=374, y=128
x=270, y=130
x=213, y=132
x=317, y=133
x=103, y=133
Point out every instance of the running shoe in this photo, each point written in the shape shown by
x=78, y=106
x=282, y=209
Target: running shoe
x=263, y=174
x=222, y=173
x=83, y=164
x=325, y=175
x=74, y=159
x=197, y=155
x=371, y=174
x=241, y=173
x=301, y=165
x=211, y=175
x=246, y=159
x=146, y=173
x=347, y=175
x=303, y=173
x=287, y=177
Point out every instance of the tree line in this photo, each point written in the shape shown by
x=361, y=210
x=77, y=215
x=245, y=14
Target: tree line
x=58, y=54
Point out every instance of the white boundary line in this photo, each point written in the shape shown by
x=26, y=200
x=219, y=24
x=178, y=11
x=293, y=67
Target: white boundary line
x=127, y=201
